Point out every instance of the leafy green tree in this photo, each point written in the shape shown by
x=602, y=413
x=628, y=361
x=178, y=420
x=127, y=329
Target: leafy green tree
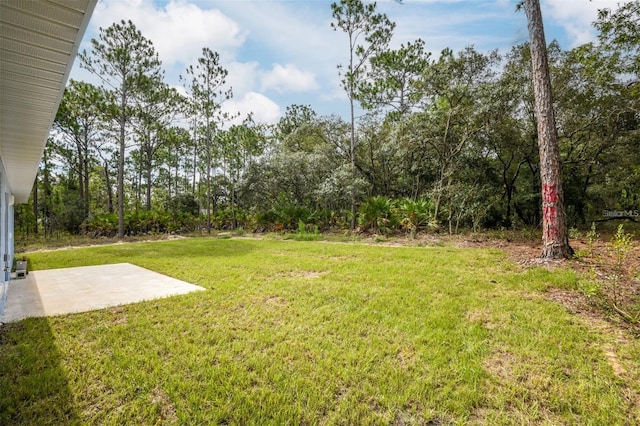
x=79, y=122
x=45, y=204
x=369, y=34
x=245, y=144
x=394, y=79
x=456, y=91
x=594, y=125
x=620, y=37
x=205, y=83
x=123, y=59
x=176, y=158
x=510, y=141
x=379, y=160
x=294, y=117
x=158, y=106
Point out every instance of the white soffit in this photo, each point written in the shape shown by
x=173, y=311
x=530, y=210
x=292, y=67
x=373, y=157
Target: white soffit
x=39, y=40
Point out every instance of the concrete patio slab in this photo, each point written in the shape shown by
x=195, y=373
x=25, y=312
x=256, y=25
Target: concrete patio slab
x=71, y=290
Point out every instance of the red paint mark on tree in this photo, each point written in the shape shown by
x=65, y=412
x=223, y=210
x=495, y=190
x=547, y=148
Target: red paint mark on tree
x=549, y=193
x=550, y=212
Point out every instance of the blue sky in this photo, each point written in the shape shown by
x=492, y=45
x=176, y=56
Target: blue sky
x=280, y=52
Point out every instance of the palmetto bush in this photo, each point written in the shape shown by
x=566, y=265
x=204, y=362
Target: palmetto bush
x=139, y=223
x=377, y=215
x=415, y=215
x=102, y=225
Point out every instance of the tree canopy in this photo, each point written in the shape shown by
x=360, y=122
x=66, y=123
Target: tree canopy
x=448, y=141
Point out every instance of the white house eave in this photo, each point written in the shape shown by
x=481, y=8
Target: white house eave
x=39, y=41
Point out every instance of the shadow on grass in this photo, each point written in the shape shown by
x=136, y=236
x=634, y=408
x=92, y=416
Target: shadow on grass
x=33, y=386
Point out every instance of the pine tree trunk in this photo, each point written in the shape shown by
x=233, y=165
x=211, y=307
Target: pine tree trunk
x=555, y=236
x=352, y=154
x=35, y=205
x=148, y=175
x=107, y=178
x=123, y=105
x=85, y=172
x=208, y=152
x=80, y=166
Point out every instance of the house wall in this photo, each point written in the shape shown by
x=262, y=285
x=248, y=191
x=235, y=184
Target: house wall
x=6, y=236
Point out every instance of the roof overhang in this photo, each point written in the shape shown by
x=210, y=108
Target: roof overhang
x=39, y=40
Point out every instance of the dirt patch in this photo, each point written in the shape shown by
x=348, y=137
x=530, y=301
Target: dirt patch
x=574, y=301
x=407, y=357
x=486, y=319
x=614, y=362
x=505, y=367
x=501, y=365
x=275, y=300
x=99, y=242
x=164, y=404
x=306, y=274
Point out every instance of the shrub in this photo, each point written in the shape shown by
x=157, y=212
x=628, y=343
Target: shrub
x=377, y=214
x=139, y=223
x=103, y=225
x=416, y=215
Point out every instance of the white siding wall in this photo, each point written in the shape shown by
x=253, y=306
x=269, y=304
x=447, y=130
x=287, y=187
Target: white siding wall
x=6, y=236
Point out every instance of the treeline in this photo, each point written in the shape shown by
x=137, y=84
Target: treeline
x=446, y=144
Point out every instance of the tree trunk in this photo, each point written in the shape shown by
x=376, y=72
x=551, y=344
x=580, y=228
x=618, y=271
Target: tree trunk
x=35, y=205
x=148, y=188
x=352, y=154
x=208, y=180
x=149, y=171
x=555, y=236
x=352, y=144
x=85, y=172
x=123, y=117
x=195, y=160
x=107, y=178
x=138, y=184
x=80, y=172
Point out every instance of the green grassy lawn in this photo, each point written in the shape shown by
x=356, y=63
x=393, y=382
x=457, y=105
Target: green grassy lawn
x=320, y=333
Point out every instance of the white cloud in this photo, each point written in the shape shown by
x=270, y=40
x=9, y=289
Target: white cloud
x=179, y=30
x=242, y=77
x=288, y=78
x=296, y=32
x=577, y=16
x=287, y=50
x=264, y=109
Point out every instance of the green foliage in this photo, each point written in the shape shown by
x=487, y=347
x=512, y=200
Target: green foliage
x=590, y=288
x=103, y=225
x=377, y=214
x=574, y=233
x=610, y=290
x=305, y=233
x=125, y=61
x=227, y=218
x=71, y=210
x=25, y=219
x=619, y=246
x=416, y=215
x=143, y=222
x=183, y=204
x=457, y=131
x=265, y=220
x=289, y=214
x=368, y=31
x=592, y=235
